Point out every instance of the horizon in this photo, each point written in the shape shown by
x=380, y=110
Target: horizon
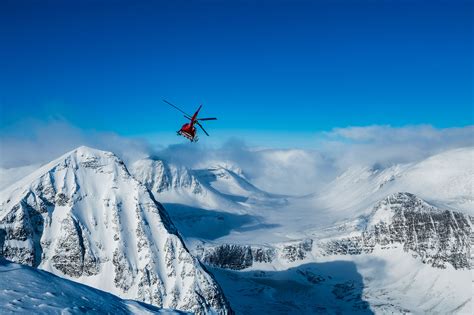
x=345, y=82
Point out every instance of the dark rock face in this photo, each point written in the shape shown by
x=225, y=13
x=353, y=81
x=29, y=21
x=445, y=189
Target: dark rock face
x=23, y=227
x=263, y=255
x=230, y=256
x=438, y=237
x=72, y=256
x=2, y=240
x=238, y=257
x=297, y=251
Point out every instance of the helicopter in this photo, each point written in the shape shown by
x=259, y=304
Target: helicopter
x=188, y=130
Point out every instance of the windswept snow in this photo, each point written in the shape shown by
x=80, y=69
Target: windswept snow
x=29, y=290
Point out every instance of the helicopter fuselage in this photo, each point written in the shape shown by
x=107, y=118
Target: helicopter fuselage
x=188, y=130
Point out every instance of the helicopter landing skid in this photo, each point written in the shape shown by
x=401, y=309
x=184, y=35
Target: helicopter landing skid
x=187, y=136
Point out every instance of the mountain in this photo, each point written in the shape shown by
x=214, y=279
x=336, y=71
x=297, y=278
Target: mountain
x=444, y=179
x=404, y=256
x=24, y=289
x=435, y=236
x=85, y=218
x=375, y=239
x=206, y=203
x=220, y=185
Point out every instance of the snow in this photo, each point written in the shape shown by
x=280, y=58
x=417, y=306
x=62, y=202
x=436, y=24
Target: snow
x=29, y=290
x=101, y=227
x=382, y=282
x=388, y=280
x=219, y=205
x=446, y=180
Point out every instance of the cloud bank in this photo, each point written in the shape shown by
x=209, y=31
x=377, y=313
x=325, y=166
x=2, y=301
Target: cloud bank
x=286, y=171
x=33, y=142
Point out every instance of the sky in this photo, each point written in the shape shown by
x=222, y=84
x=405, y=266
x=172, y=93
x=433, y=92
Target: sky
x=277, y=71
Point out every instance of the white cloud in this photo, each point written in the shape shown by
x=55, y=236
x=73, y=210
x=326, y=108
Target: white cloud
x=287, y=171
x=388, y=145
x=33, y=142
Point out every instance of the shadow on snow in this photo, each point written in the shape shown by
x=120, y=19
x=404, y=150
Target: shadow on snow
x=194, y=222
x=314, y=288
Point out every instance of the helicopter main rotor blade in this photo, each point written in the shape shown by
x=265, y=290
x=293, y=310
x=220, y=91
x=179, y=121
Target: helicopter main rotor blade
x=212, y=118
x=197, y=122
x=185, y=114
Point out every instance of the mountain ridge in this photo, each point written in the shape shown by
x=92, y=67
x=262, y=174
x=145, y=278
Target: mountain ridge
x=48, y=223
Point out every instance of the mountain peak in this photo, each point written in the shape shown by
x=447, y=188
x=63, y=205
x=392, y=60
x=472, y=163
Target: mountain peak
x=397, y=202
x=84, y=152
x=83, y=216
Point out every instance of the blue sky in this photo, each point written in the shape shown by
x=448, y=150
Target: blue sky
x=289, y=67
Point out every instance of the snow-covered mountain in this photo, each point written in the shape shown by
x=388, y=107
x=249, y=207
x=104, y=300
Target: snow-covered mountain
x=438, y=237
x=206, y=203
x=402, y=231
x=218, y=186
x=435, y=236
x=445, y=180
x=85, y=218
x=404, y=256
x=24, y=289
x=374, y=239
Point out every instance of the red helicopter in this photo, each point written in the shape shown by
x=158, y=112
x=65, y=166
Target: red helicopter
x=188, y=130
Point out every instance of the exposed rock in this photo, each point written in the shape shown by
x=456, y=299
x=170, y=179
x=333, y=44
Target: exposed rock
x=437, y=236
x=84, y=215
x=298, y=250
x=237, y=257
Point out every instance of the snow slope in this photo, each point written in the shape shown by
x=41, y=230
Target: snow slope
x=218, y=199
x=445, y=179
x=406, y=256
x=218, y=186
x=24, y=289
x=206, y=203
x=359, y=245
x=85, y=218
x=383, y=282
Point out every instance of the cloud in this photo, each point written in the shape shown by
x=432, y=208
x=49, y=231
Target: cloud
x=304, y=171
x=285, y=171
x=386, y=145
x=37, y=142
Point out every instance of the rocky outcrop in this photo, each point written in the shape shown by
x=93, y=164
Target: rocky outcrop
x=237, y=257
x=438, y=237
x=84, y=216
